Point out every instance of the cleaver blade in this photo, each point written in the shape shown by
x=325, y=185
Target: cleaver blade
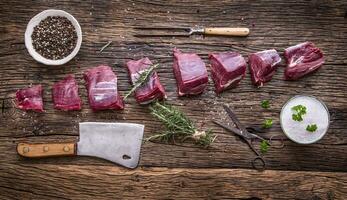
x=117, y=142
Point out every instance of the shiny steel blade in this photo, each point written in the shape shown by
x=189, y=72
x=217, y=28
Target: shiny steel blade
x=117, y=142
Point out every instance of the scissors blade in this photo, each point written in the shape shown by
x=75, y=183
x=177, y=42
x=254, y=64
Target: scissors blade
x=243, y=130
x=229, y=128
x=234, y=118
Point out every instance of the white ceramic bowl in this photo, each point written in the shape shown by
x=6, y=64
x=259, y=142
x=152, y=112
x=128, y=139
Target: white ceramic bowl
x=36, y=20
x=311, y=138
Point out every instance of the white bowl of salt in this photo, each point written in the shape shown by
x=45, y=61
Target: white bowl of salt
x=304, y=119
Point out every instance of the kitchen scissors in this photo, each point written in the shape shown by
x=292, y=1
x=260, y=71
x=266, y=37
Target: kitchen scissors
x=248, y=135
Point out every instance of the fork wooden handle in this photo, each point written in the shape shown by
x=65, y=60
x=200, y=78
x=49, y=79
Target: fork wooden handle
x=46, y=150
x=227, y=31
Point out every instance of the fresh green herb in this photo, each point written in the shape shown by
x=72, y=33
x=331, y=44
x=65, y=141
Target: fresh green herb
x=311, y=128
x=265, y=104
x=142, y=79
x=264, y=146
x=267, y=123
x=299, y=110
x=178, y=126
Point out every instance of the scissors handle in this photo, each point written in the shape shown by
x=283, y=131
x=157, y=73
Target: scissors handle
x=257, y=160
x=280, y=146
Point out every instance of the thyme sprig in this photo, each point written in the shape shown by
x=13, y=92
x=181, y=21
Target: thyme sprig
x=142, y=79
x=178, y=126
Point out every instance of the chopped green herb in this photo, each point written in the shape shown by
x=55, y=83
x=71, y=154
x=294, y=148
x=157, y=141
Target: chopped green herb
x=299, y=110
x=264, y=146
x=311, y=128
x=265, y=104
x=267, y=123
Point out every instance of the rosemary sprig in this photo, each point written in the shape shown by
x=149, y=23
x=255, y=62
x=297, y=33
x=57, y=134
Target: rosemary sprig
x=178, y=126
x=142, y=79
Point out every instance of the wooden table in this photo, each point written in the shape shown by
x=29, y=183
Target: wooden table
x=182, y=171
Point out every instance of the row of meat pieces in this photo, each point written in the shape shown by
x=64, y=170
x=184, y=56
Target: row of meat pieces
x=227, y=70
x=101, y=83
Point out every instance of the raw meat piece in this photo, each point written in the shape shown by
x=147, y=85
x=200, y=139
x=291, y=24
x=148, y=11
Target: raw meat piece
x=227, y=69
x=30, y=98
x=150, y=91
x=190, y=72
x=65, y=94
x=263, y=66
x=102, y=89
x=302, y=59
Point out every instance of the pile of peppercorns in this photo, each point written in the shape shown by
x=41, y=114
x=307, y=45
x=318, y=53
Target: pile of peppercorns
x=54, y=37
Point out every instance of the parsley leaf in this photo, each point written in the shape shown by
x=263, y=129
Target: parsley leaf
x=311, y=128
x=299, y=110
x=265, y=104
x=264, y=146
x=267, y=123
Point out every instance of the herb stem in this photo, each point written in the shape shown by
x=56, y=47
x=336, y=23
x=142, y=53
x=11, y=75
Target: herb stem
x=105, y=46
x=178, y=125
x=168, y=122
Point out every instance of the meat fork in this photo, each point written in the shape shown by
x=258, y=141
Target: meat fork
x=188, y=31
x=247, y=135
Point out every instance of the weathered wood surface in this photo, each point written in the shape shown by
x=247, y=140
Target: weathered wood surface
x=38, y=181
x=273, y=25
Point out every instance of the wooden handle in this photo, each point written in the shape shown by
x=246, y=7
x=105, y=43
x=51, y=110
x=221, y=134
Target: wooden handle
x=46, y=150
x=227, y=31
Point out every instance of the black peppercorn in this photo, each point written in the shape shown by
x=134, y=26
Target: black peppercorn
x=54, y=37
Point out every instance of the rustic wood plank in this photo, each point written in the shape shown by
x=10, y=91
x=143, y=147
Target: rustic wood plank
x=273, y=25
x=36, y=181
x=227, y=152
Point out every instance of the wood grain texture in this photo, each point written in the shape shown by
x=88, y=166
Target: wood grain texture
x=273, y=24
x=37, y=181
x=36, y=150
x=227, y=31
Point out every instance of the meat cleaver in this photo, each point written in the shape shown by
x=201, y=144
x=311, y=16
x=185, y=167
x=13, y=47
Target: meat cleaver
x=117, y=142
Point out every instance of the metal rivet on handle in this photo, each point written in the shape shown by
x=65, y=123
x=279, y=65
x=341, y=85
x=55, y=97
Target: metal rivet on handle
x=66, y=148
x=45, y=148
x=25, y=149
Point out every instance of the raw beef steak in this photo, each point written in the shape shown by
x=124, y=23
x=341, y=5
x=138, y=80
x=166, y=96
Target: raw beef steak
x=190, y=72
x=227, y=69
x=65, y=94
x=302, y=59
x=30, y=98
x=263, y=65
x=150, y=91
x=102, y=89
